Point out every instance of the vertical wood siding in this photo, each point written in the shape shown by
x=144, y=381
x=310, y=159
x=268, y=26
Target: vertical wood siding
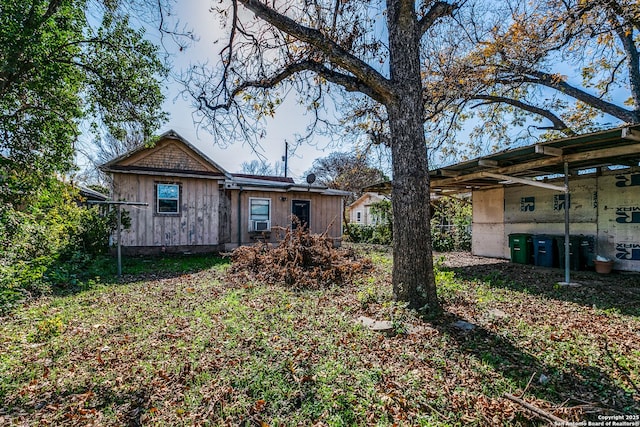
x=325, y=212
x=197, y=223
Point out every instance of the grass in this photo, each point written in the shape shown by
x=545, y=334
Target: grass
x=174, y=344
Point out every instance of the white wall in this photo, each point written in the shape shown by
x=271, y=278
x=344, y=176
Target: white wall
x=606, y=207
x=488, y=224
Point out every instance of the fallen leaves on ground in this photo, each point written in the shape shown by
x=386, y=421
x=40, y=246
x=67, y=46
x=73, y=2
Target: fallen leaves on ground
x=198, y=350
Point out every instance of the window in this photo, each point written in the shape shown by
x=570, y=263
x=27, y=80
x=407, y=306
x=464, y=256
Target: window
x=358, y=216
x=259, y=214
x=168, y=198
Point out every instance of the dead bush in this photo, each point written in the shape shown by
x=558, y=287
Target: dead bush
x=299, y=260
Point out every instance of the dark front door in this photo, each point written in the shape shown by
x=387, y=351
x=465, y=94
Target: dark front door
x=301, y=210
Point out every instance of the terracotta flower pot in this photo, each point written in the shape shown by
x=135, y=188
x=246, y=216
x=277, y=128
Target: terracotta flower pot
x=603, y=267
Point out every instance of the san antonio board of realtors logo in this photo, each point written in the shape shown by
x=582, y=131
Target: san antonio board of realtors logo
x=628, y=251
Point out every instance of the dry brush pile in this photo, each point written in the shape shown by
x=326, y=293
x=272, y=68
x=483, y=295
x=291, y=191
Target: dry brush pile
x=300, y=260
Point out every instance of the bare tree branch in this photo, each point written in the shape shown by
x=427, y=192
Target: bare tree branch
x=558, y=123
x=350, y=83
x=625, y=34
x=438, y=10
x=333, y=51
x=559, y=84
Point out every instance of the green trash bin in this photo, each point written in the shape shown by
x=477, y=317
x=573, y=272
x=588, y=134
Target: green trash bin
x=574, y=252
x=521, y=246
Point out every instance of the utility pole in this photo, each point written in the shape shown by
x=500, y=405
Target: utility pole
x=285, y=158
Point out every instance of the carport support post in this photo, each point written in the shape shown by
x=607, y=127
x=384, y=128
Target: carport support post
x=119, y=240
x=567, y=244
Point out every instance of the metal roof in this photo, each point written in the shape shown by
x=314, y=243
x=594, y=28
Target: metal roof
x=532, y=163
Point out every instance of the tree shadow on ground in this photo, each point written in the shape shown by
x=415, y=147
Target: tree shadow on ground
x=136, y=269
x=579, y=392
x=83, y=406
x=617, y=291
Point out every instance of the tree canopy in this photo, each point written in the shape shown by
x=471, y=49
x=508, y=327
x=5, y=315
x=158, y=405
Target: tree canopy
x=407, y=69
x=65, y=66
x=346, y=171
x=538, y=70
x=509, y=72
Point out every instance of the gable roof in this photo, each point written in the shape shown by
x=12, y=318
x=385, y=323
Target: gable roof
x=185, y=159
x=369, y=195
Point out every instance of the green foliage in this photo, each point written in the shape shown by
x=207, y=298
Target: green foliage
x=49, y=243
x=375, y=234
x=197, y=350
x=65, y=64
x=371, y=292
x=381, y=232
x=451, y=225
x=47, y=329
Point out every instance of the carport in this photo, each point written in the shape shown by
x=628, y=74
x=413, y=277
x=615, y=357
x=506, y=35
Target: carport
x=599, y=171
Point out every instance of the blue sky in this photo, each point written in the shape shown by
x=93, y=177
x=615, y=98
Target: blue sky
x=290, y=119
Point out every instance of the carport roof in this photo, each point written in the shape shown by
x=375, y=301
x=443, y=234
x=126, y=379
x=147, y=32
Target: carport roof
x=535, y=163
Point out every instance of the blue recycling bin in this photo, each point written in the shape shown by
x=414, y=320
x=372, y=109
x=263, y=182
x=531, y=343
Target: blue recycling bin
x=544, y=253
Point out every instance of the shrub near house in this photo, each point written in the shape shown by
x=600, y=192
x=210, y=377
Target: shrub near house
x=47, y=242
x=450, y=225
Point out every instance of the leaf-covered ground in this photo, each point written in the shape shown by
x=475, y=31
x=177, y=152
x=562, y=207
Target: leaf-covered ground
x=191, y=349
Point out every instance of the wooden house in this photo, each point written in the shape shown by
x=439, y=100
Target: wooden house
x=194, y=205
x=360, y=210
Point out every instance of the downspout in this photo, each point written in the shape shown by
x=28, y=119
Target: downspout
x=240, y=217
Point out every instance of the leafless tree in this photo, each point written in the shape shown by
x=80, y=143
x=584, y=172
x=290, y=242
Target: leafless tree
x=318, y=47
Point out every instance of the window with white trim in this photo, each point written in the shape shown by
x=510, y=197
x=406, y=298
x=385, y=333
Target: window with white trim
x=168, y=198
x=259, y=214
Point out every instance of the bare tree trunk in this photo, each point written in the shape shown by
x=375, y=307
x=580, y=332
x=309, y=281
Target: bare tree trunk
x=413, y=277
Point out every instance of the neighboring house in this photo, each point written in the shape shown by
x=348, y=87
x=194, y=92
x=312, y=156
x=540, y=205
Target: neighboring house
x=360, y=210
x=194, y=205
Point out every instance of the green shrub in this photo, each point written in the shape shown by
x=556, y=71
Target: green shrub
x=451, y=225
x=48, y=242
x=381, y=232
x=47, y=329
